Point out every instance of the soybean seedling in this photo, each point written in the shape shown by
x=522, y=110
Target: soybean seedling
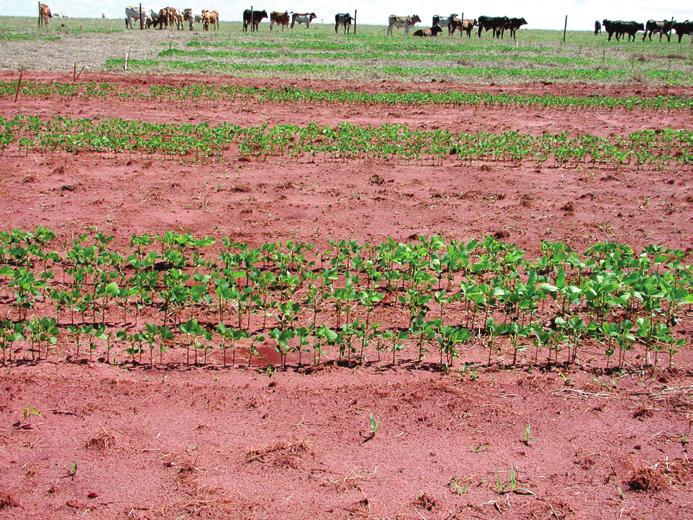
x=27, y=413
x=527, y=435
x=374, y=426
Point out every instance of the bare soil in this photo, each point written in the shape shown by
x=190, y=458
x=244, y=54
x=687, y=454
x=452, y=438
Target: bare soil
x=203, y=443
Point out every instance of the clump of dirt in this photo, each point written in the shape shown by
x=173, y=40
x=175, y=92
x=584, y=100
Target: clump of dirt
x=101, y=441
x=642, y=413
x=526, y=200
x=376, y=179
x=240, y=188
x=568, y=208
x=648, y=479
x=425, y=502
x=282, y=454
x=7, y=501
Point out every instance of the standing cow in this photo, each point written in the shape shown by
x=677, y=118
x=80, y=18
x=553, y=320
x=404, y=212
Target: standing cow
x=663, y=27
x=406, y=22
x=210, y=18
x=132, y=15
x=277, y=18
x=494, y=23
x=253, y=19
x=44, y=14
x=343, y=19
x=302, y=18
x=513, y=25
x=597, y=28
x=683, y=28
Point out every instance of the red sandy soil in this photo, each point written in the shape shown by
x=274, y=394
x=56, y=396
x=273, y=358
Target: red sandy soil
x=237, y=444
x=279, y=199
x=204, y=443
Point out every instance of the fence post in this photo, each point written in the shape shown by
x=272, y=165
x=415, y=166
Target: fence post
x=141, y=20
x=39, y=14
x=356, y=11
x=565, y=27
x=252, y=18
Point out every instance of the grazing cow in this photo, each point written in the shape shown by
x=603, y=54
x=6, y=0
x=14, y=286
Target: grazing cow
x=663, y=27
x=513, y=25
x=44, y=14
x=429, y=33
x=210, y=18
x=446, y=21
x=132, y=14
x=302, y=18
x=253, y=18
x=279, y=19
x=597, y=28
x=683, y=28
x=402, y=21
x=343, y=19
x=494, y=23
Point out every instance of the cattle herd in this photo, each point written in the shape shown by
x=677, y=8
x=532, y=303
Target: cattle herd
x=630, y=29
x=170, y=17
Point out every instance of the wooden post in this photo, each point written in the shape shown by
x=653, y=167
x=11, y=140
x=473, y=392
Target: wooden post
x=19, y=85
x=252, y=16
x=462, y=22
x=39, y=14
x=141, y=19
x=127, y=55
x=356, y=11
x=565, y=27
x=74, y=73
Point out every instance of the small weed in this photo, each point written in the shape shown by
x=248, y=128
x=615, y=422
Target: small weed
x=458, y=486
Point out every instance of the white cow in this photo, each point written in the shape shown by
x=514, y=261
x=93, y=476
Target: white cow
x=302, y=18
x=132, y=14
x=402, y=21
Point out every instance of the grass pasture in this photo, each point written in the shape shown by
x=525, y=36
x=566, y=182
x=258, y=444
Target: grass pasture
x=537, y=55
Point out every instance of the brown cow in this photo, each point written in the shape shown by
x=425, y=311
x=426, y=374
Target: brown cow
x=279, y=19
x=169, y=16
x=210, y=18
x=44, y=14
x=465, y=26
x=429, y=33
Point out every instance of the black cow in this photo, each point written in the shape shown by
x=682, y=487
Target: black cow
x=513, y=25
x=663, y=27
x=597, y=27
x=343, y=19
x=683, y=28
x=445, y=21
x=496, y=23
x=257, y=17
x=620, y=28
x=428, y=33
